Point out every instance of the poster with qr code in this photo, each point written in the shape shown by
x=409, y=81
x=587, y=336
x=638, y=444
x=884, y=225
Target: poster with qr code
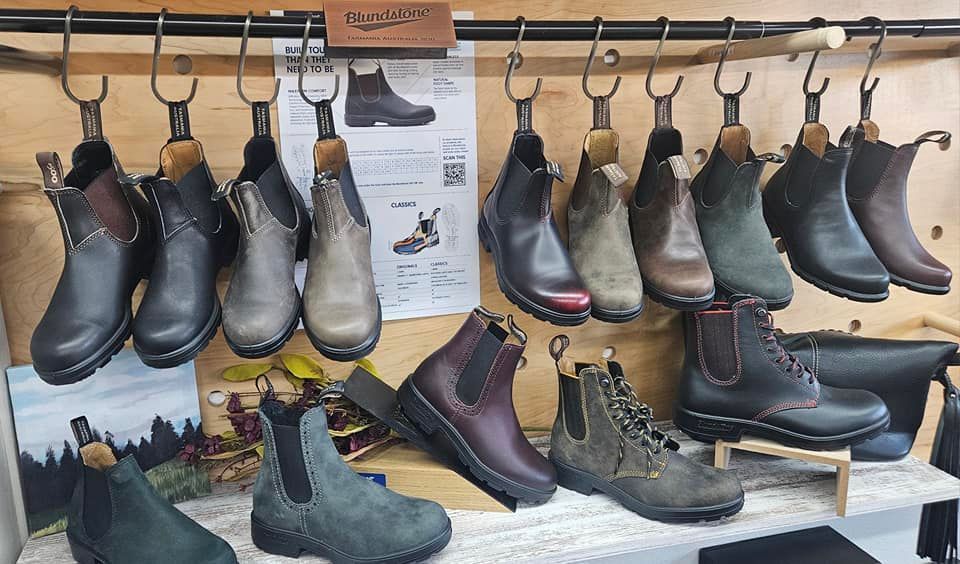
x=411, y=133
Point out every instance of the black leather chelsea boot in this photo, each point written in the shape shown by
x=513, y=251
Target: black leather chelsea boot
x=517, y=225
x=196, y=236
x=370, y=100
x=738, y=379
x=109, y=248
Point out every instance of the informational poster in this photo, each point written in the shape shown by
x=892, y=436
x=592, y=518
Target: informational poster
x=417, y=177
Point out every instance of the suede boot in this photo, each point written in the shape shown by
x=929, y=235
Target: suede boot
x=464, y=390
x=738, y=379
x=306, y=499
x=108, y=247
x=116, y=517
x=599, y=226
x=604, y=439
x=371, y=100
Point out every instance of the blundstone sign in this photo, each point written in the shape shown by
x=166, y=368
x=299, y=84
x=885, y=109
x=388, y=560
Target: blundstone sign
x=352, y=23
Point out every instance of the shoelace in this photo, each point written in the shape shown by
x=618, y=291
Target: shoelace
x=635, y=417
x=775, y=346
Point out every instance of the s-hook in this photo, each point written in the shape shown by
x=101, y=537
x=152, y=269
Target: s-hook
x=601, y=103
x=179, y=117
x=89, y=109
x=731, y=100
x=662, y=104
x=524, y=105
x=812, y=106
x=866, y=94
x=323, y=108
x=261, y=110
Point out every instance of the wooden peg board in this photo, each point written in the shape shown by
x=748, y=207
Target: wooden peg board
x=918, y=91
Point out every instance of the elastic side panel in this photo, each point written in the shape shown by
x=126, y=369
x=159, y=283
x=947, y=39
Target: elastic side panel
x=292, y=468
x=572, y=405
x=273, y=189
x=718, y=349
x=351, y=197
x=195, y=188
x=96, y=502
x=867, y=168
x=474, y=376
x=106, y=197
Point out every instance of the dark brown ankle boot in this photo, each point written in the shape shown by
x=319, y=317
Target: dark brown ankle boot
x=465, y=391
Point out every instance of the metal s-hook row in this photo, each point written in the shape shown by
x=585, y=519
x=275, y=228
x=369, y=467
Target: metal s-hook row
x=324, y=107
x=662, y=104
x=866, y=94
x=731, y=100
x=601, y=102
x=812, y=104
x=261, y=110
x=179, y=116
x=524, y=105
x=90, y=118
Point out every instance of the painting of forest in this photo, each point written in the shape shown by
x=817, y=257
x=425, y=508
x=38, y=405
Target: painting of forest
x=135, y=410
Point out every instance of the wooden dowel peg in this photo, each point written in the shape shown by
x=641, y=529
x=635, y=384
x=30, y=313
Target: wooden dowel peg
x=942, y=322
x=801, y=42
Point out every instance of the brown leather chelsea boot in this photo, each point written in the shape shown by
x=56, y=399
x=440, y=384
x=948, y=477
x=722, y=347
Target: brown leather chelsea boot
x=465, y=391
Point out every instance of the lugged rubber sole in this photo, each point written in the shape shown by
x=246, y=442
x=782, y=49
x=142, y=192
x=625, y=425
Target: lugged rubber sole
x=616, y=316
x=918, y=287
x=709, y=428
x=97, y=360
x=369, y=120
x=586, y=483
x=287, y=543
x=187, y=352
x=429, y=420
x=268, y=347
x=675, y=302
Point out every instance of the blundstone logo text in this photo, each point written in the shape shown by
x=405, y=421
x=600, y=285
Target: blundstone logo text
x=369, y=21
x=54, y=175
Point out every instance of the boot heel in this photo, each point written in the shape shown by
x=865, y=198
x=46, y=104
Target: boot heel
x=482, y=231
x=706, y=429
x=273, y=541
x=416, y=409
x=81, y=554
x=572, y=479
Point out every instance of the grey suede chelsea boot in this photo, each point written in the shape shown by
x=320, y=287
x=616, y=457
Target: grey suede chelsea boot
x=262, y=306
x=306, y=499
x=116, y=517
x=734, y=234
x=604, y=439
x=341, y=310
x=599, y=226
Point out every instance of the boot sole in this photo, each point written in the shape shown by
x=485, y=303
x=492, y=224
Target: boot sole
x=346, y=355
x=99, y=359
x=187, y=352
x=84, y=554
x=286, y=543
x=777, y=233
x=612, y=316
x=917, y=287
x=726, y=292
x=709, y=428
x=677, y=302
x=370, y=120
x=585, y=483
x=541, y=313
x=429, y=420
x=270, y=346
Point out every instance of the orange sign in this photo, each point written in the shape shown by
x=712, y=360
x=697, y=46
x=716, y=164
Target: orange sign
x=353, y=23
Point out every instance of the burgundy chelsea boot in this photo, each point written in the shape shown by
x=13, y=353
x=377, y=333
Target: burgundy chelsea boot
x=465, y=391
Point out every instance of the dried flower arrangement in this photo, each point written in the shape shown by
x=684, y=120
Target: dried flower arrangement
x=234, y=455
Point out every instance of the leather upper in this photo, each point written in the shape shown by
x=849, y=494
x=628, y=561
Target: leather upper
x=371, y=95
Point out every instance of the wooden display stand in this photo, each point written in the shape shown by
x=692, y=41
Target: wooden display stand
x=838, y=458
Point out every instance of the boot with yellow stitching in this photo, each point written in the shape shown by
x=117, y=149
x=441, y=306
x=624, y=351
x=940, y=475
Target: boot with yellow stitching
x=604, y=440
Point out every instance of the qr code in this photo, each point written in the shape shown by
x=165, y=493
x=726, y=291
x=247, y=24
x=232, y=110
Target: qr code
x=454, y=174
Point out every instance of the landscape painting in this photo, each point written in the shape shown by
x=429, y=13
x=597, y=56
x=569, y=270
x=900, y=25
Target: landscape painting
x=136, y=410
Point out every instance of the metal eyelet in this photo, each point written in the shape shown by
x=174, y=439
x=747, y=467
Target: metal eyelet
x=604, y=382
x=761, y=312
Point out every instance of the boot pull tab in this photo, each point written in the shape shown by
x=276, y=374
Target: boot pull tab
x=179, y=121
x=91, y=120
x=775, y=158
x=941, y=138
x=224, y=189
x=325, y=127
x=81, y=431
x=266, y=393
x=516, y=331
x=261, y=119
x=851, y=137
x=663, y=111
x=601, y=112
x=487, y=314
x=558, y=345
x=52, y=170
x=525, y=115
x=334, y=390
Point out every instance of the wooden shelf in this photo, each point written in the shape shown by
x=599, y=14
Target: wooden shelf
x=571, y=526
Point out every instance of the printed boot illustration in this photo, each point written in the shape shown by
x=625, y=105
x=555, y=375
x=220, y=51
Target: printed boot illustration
x=805, y=204
x=738, y=379
x=116, y=517
x=899, y=371
x=517, y=226
x=464, y=390
x=877, y=194
x=370, y=100
x=306, y=499
x=262, y=305
x=730, y=217
x=196, y=236
x=604, y=439
x=599, y=226
x=341, y=310
x=108, y=248
x=423, y=237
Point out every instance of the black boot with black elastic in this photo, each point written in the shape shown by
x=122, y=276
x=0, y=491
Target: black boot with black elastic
x=370, y=100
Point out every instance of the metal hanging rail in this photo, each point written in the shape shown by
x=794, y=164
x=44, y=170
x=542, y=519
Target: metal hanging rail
x=210, y=25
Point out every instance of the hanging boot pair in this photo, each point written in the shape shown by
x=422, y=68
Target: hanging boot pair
x=604, y=439
x=423, y=237
x=370, y=100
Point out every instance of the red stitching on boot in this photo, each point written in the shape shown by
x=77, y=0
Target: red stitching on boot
x=781, y=407
x=736, y=348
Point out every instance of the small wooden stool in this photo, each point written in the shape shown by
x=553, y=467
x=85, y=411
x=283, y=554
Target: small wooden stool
x=838, y=458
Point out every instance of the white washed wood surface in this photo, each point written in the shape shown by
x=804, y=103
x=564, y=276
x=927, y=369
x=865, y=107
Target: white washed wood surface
x=572, y=527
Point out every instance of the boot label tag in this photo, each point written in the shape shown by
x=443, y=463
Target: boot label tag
x=223, y=190
x=389, y=23
x=52, y=170
x=555, y=170
x=681, y=170
x=81, y=431
x=615, y=174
